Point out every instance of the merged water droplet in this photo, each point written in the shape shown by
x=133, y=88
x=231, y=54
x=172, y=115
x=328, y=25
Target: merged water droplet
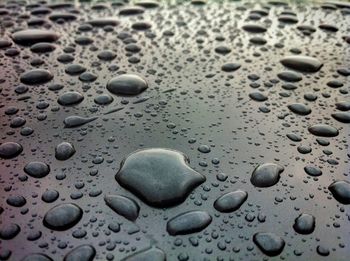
x=160, y=177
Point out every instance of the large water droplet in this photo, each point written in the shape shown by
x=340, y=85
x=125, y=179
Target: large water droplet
x=304, y=224
x=32, y=36
x=343, y=117
x=323, y=130
x=36, y=76
x=9, y=150
x=341, y=191
x=124, y=206
x=70, y=98
x=302, y=63
x=188, y=222
x=299, y=108
x=64, y=151
x=230, y=201
x=269, y=243
x=9, y=231
x=266, y=175
x=127, y=84
x=81, y=253
x=160, y=177
x=63, y=216
x=37, y=169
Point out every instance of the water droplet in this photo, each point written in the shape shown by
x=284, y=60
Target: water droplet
x=230, y=201
x=70, y=98
x=269, y=243
x=230, y=67
x=103, y=99
x=104, y=21
x=64, y=151
x=188, y=222
x=8, y=232
x=127, y=84
x=204, y=148
x=9, y=150
x=149, y=254
x=63, y=216
x=76, y=121
x=289, y=76
x=341, y=191
x=16, y=201
x=258, y=96
x=323, y=130
x=343, y=105
x=266, y=175
x=124, y=206
x=312, y=171
x=343, y=117
x=160, y=177
x=81, y=253
x=254, y=28
x=302, y=63
x=37, y=169
x=304, y=224
x=36, y=76
x=50, y=196
x=299, y=108
x=32, y=36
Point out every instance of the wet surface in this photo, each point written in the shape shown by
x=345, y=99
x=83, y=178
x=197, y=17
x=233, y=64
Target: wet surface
x=174, y=131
